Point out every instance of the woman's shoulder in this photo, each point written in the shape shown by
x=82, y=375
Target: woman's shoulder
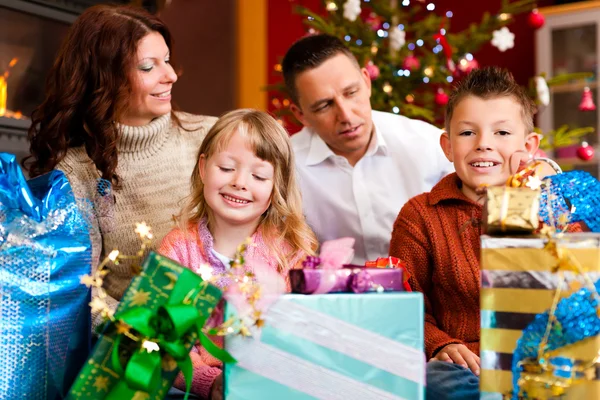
x=194, y=122
x=80, y=171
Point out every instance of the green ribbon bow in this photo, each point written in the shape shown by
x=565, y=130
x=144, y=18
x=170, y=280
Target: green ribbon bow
x=168, y=327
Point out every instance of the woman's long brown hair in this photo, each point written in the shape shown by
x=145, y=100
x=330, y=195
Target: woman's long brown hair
x=88, y=87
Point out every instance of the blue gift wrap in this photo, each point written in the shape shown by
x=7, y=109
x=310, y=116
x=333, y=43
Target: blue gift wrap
x=44, y=313
x=332, y=346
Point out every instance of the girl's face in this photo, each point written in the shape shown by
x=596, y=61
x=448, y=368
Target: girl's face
x=237, y=184
x=152, y=81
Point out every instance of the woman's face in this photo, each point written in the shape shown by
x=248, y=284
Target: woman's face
x=152, y=80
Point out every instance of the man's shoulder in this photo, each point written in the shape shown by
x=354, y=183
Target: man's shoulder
x=392, y=124
x=301, y=139
x=301, y=145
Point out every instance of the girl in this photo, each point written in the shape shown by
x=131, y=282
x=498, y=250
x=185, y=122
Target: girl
x=243, y=186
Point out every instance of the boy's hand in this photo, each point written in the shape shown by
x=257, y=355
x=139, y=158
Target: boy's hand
x=461, y=355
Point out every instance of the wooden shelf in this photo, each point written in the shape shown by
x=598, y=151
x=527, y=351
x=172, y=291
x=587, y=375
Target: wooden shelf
x=575, y=161
x=573, y=87
x=569, y=8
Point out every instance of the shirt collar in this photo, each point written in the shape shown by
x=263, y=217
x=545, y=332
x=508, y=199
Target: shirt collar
x=319, y=151
x=449, y=189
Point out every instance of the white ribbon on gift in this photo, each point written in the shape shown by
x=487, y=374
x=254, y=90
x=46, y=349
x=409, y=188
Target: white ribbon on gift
x=322, y=329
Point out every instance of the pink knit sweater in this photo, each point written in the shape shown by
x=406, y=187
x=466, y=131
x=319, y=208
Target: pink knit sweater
x=192, y=250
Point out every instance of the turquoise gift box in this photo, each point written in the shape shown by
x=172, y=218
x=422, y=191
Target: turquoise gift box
x=332, y=346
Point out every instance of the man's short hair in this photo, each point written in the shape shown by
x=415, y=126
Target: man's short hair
x=308, y=53
x=491, y=82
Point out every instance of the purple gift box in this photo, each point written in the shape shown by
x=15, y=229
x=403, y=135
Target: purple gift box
x=350, y=278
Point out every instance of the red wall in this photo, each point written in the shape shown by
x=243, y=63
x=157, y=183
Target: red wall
x=284, y=27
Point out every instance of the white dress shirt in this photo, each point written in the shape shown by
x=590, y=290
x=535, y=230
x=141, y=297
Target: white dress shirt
x=404, y=159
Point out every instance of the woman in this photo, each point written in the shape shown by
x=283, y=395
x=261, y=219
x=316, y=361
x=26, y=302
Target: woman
x=107, y=123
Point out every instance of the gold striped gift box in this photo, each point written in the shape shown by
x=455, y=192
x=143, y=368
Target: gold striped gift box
x=517, y=284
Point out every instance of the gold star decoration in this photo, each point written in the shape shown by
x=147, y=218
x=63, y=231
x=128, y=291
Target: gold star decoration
x=107, y=313
x=546, y=231
x=122, y=328
x=98, y=304
x=563, y=219
x=140, y=298
x=168, y=363
x=245, y=331
x=259, y=322
x=533, y=182
x=101, y=383
x=88, y=280
x=113, y=255
x=140, y=396
x=143, y=230
x=205, y=272
x=150, y=346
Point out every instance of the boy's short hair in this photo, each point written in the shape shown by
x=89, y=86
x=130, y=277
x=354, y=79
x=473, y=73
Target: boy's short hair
x=308, y=53
x=487, y=83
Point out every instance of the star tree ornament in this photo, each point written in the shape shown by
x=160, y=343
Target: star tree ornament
x=503, y=39
x=397, y=38
x=351, y=10
x=542, y=90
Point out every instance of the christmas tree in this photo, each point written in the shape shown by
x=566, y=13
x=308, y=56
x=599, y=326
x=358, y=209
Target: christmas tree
x=413, y=57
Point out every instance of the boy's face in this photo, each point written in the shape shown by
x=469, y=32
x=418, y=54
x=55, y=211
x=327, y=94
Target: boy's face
x=484, y=134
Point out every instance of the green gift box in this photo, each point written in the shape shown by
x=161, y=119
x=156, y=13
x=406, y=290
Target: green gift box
x=166, y=306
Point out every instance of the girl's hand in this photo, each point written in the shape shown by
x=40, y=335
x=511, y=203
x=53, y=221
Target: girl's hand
x=461, y=355
x=216, y=391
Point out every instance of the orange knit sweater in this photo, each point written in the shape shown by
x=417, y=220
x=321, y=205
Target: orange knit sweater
x=437, y=235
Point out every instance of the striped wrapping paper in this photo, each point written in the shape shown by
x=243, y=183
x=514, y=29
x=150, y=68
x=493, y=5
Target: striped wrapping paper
x=517, y=284
x=336, y=346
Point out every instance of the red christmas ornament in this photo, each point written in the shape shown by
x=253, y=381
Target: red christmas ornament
x=373, y=70
x=373, y=21
x=465, y=66
x=587, y=101
x=535, y=19
x=411, y=63
x=585, y=152
x=441, y=98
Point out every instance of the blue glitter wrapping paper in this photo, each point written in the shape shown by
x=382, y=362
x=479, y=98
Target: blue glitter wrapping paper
x=577, y=320
x=45, y=321
x=573, y=188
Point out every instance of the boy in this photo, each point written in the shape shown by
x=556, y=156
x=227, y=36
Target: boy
x=489, y=118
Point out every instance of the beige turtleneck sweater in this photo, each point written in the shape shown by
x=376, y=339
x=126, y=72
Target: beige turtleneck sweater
x=155, y=166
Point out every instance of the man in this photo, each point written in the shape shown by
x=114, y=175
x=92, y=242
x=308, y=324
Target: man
x=357, y=167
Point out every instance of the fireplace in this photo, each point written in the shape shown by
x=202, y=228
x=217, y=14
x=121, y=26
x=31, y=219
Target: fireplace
x=30, y=35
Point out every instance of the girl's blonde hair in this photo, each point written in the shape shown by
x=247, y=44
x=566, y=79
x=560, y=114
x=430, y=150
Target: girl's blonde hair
x=283, y=222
